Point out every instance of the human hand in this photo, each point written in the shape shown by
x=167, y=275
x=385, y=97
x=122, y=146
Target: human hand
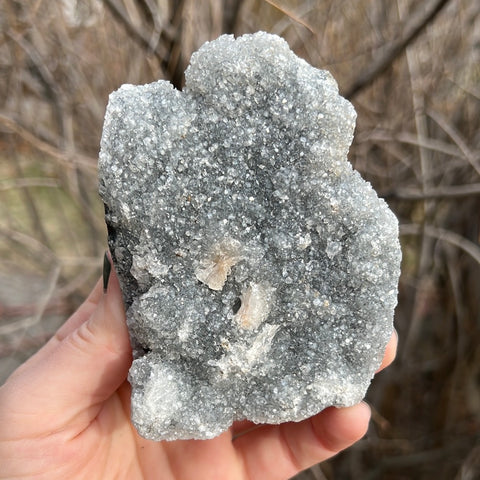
x=65, y=414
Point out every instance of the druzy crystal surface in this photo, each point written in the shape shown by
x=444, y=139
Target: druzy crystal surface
x=259, y=270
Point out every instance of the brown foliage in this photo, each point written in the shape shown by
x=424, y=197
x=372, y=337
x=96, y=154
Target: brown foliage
x=412, y=69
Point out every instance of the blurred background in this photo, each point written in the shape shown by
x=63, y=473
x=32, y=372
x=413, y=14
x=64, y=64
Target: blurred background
x=412, y=70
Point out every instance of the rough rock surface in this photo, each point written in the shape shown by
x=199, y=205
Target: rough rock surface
x=259, y=270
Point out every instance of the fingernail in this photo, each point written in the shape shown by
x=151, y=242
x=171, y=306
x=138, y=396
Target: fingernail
x=107, y=268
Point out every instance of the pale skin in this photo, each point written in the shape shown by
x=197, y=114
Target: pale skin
x=64, y=414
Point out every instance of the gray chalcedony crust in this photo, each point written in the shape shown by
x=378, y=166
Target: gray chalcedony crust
x=259, y=270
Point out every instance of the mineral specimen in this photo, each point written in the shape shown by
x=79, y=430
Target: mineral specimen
x=259, y=270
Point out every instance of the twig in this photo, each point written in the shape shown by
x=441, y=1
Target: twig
x=77, y=282
x=73, y=161
x=12, y=347
x=412, y=29
x=135, y=33
x=12, y=183
x=450, y=130
x=32, y=208
x=460, y=334
x=448, y=191
x=231, y=13
x=56, y=306
x=291, y=15
x=157, y=24
x=28, y=322
x=416, y=458
x=425, y=157
x=56, y=94
x=442, y=234
x=32, y=245
x=282, y=25
x=79, y=159
x=44, y=74
x=409, y=138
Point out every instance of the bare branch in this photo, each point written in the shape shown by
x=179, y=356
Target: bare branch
x=11, y=183
x=445, y=235
x=32, y=245
x=81, y=160
x=46, y=77
x=448, y=191
x=451, y=131
x=409, y=138
x=40, y=308
x=142, y=38
x=412, y=29
x=291, y=15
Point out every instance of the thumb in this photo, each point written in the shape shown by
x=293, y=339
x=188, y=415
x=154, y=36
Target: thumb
x=97, y=353
x=66, y=383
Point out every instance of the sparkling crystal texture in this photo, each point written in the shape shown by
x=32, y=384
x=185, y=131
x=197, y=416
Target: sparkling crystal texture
x=259, y=270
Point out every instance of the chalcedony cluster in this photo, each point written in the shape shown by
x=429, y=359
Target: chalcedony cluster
x=259, y=270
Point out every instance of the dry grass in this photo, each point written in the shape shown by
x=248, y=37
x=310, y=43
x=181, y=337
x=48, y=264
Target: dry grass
x=411, y=68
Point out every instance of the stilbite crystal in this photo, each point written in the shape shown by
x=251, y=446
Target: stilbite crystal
x=259, y=270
